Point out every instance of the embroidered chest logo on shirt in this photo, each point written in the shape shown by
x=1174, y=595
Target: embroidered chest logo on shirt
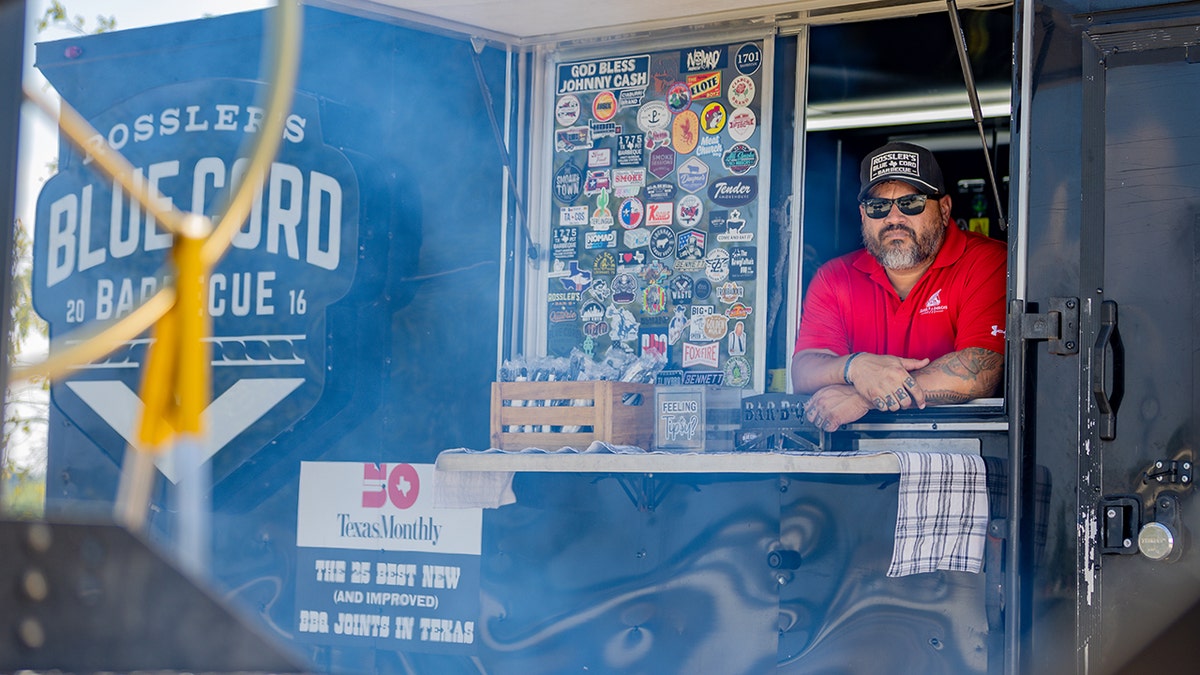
x=934, y=304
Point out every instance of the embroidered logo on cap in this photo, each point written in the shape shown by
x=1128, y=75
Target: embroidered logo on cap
x=896, y=163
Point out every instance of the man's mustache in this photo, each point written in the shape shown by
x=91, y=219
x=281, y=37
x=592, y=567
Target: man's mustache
x=901, y=228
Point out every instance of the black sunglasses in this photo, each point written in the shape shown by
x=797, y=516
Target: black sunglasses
x=909, y=205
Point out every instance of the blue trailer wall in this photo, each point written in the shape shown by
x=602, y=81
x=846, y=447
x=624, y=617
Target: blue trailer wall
x=374, y=345
x=355, y=325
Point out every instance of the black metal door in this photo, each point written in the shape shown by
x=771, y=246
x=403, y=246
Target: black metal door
x=1140, y=316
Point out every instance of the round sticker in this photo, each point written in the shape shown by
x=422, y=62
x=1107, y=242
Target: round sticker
x=688, y=211
x=716, y=265
x=604, y=106
x=741, y=91
x=566, y=111
x=653, y=116
x=737, y=371
x=748, y=59
x=712, y=120
x=742, y=124
x=679, y=97
x=662, y=243
x=702, y=289
x=631, y=213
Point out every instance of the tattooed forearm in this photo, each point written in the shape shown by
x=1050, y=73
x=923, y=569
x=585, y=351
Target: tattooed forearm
x=963, y=375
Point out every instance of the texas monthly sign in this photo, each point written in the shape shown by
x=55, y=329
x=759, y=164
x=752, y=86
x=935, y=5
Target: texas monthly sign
x=98, y=255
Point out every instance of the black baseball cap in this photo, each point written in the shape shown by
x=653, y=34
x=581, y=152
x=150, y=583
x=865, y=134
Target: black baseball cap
x=907, y=162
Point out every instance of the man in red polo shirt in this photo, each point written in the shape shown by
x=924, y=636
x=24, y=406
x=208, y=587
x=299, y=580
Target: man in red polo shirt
x=914, y=319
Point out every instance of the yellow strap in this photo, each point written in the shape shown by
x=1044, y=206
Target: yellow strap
x=176, y=384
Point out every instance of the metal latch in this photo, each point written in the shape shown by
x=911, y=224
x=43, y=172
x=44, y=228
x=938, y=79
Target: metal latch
x=1169, y=471
x=1059, y=326
x=1120, y=522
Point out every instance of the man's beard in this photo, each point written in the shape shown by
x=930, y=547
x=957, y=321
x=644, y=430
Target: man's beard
x=907, y=256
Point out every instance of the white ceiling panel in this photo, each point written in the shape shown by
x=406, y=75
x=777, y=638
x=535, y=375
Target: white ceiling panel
x=535, y=21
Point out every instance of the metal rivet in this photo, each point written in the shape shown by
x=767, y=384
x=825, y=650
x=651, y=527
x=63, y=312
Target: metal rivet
x=1112, y=513
x=33, y=582
x=39, y=536
x=31, y=633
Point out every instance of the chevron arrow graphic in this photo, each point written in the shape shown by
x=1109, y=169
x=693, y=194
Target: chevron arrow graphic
x=236, y=409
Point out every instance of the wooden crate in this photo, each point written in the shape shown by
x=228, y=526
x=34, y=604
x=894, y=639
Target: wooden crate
x=608, y=408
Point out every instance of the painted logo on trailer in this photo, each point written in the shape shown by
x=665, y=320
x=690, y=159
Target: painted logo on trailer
x=96, y=256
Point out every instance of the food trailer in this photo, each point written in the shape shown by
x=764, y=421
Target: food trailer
x=469, y=196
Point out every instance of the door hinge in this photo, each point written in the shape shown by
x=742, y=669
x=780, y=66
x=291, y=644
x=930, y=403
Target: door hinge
x=1059, y=326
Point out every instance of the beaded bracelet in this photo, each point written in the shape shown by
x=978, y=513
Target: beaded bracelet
x=846, y=369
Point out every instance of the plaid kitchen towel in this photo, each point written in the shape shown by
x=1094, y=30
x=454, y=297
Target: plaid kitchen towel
x=941, y=521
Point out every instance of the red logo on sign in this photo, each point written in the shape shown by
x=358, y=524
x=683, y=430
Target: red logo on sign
x=400, y=486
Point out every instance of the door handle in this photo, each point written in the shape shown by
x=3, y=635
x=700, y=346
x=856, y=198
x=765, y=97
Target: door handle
x=1106, y=402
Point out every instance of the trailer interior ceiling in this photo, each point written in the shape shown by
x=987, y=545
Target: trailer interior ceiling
x=523, y=22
